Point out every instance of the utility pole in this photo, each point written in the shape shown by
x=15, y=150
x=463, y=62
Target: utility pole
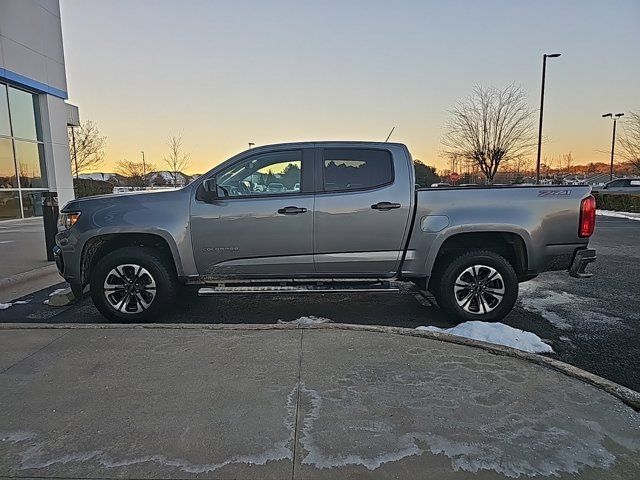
x=544, y=71
x=613, y=138
x=144, y=169
x=75, y=153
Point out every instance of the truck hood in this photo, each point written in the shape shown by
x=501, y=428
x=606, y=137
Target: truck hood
x=114, y=198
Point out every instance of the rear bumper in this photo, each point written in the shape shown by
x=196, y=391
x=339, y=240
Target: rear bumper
x=582, y=258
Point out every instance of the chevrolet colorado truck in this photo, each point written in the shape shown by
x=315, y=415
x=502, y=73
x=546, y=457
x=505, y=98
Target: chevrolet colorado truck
x=345, y=217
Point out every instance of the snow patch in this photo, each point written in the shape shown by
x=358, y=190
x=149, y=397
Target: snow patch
x=306, y=321
x=563, y=309
x=60, y=291
x=627, y=215
x=497, y=333
x=4, y=306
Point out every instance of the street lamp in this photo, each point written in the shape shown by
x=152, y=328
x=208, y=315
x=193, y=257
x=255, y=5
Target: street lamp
x=613, y=139
x=144, y=166
x=544, y=70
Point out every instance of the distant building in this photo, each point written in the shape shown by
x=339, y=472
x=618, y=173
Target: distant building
x=34, y=149
x=165, y=178
x=105, y=177
x=573, y=180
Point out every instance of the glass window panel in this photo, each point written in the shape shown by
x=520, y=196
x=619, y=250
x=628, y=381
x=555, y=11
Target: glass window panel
x=8, y=178
x=30, y=160
x=268, y=174
x=5, y=127
x=25, y=114
x=9, y=205
x=353, y=169
x=32, y=203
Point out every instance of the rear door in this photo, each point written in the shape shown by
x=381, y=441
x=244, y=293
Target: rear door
x=362, y=210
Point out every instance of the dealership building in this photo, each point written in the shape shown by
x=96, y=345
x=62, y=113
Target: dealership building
x=34, y=146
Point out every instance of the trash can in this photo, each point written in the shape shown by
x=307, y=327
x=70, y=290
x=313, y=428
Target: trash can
x=50, y=217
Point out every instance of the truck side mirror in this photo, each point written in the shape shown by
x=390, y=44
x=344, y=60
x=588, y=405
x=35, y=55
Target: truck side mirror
x=210, y=187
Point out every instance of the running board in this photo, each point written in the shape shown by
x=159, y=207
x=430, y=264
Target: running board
x=291, y=289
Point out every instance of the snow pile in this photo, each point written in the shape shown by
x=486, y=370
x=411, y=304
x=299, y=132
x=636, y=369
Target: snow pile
x=498, y=333
x=306, y=321
x=627, y=215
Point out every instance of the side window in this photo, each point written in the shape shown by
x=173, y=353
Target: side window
x=355, y=169
x=267, y=174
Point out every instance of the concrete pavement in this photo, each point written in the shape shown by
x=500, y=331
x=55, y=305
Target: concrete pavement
x=273, y=401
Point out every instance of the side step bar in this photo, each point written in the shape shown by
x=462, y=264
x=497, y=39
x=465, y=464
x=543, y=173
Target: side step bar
x=384, y=287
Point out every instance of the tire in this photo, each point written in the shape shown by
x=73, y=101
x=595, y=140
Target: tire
x=133, y=284
x=465, y=294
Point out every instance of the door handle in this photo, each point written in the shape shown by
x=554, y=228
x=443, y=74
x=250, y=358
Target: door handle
x=291, y=210
x=385, y=206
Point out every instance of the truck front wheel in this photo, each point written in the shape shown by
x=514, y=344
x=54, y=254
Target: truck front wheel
x=133, y=284
x=478, y=285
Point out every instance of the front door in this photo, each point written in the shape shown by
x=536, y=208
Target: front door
x=362, y=211
x=262, y=224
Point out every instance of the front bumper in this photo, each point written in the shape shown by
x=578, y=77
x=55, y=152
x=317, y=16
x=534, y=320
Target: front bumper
x=582, y=258
x=57, y=256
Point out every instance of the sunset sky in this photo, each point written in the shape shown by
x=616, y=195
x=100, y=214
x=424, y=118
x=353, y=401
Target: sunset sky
x=232, y=72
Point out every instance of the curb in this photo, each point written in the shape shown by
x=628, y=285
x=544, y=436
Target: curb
x=626, y=395
x=19, y=282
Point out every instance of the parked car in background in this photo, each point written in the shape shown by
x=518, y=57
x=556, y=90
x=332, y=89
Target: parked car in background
x=275, y=188
x=357, y=224
x=622, y=185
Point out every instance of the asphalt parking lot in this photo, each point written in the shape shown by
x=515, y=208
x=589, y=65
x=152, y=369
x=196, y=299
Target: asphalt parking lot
x=590, y=323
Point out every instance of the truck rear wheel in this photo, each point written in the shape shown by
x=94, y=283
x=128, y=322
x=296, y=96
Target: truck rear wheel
x=133, y=284
x=478, y=285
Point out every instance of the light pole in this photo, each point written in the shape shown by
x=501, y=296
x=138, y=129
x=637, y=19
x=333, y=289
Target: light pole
x=144, y=166
x=75, y=153
x=544, y=71
x=613, y=139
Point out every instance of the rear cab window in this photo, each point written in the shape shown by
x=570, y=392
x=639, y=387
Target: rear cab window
x=356, y=169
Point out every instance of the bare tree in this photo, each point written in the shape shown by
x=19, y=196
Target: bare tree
x=134, y=172
x=489, y=127
x=177, y=159
x=629, y=141
x=89, y=147
x=568, y=161
x=519, y=166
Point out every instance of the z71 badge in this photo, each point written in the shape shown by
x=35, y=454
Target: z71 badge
x=554, y=193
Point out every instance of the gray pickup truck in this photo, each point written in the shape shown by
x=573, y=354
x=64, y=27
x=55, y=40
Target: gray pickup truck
x=321, y=217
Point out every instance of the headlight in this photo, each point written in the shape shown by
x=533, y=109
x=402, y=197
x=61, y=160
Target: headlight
x=66, y=220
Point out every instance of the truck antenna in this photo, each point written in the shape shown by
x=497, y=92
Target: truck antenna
x=389, y=136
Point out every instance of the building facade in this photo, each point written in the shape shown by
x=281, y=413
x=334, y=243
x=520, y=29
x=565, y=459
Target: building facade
x=34, y=147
